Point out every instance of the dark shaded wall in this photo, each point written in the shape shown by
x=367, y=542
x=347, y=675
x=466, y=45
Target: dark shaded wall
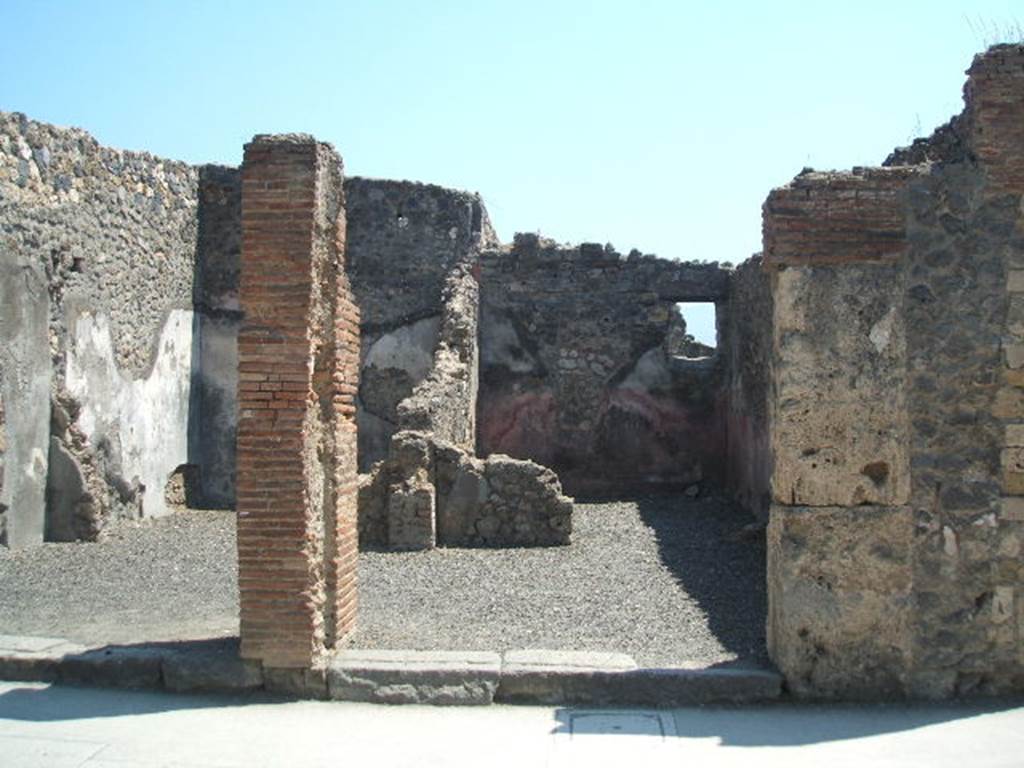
x=747, y=348
x=574, y=373
x=218, y=318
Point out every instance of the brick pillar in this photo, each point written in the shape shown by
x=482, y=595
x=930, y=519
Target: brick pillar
x=298, y=356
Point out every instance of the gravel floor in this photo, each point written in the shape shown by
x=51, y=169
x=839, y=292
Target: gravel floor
x=172, y=578
x=663, y=578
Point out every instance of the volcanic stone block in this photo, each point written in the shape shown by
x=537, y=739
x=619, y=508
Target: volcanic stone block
x=414, y=677
x=210, y=666
x=840, y=433
x=839, y=599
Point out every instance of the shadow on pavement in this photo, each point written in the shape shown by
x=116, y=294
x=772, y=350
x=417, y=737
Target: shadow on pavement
x=43, y=702
x=703, y=545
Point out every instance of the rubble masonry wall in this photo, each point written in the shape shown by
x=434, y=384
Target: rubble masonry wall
x=97, y=249
x=574, y=372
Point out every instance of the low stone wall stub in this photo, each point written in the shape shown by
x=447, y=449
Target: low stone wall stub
x=432, y=493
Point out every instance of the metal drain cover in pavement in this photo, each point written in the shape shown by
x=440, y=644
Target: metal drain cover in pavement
x=610, y=723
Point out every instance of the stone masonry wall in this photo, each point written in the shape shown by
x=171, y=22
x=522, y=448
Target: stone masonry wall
x=431, y=489
x=407, y=241
x=894, y=541
x=574, y=372
x=966, y=228
x=298, y=374
x=97, y=250
x=995, y=97
x=444, y=403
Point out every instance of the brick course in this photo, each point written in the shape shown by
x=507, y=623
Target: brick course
x=835, y=218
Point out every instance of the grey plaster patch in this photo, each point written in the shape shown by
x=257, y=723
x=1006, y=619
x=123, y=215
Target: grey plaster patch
x=26, y=375
x=214, y=395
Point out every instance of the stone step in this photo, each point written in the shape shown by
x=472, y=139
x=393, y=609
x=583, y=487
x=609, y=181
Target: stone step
x=560, y=677
x=393, y=676
x=414, y=677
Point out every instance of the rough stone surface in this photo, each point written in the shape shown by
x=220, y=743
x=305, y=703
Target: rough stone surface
x=641, y=687
x=921, y=596
x=301, y=682
x=34, y=658
x=123, y=667
x=540, y=660
x=966, y=228
x=414, y=677
x=444, y=403
x=840, y=599
x=555, y=676
x=840, y=428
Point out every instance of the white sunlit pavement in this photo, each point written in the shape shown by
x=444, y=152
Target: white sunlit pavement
x=43, y=725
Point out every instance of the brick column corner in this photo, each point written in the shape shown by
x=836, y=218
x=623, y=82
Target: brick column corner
x=298, y=374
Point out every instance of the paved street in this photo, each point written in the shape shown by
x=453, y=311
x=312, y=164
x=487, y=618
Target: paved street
x=63, y=727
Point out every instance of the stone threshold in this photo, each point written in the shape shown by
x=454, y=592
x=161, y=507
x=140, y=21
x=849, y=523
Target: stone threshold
x=390, y=676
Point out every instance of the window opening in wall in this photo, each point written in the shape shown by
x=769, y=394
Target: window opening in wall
x=693, y=330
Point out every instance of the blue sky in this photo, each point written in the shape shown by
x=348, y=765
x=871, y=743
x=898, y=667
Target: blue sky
x=653, y=124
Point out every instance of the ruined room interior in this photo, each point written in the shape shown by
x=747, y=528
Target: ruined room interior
x=397, y=406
